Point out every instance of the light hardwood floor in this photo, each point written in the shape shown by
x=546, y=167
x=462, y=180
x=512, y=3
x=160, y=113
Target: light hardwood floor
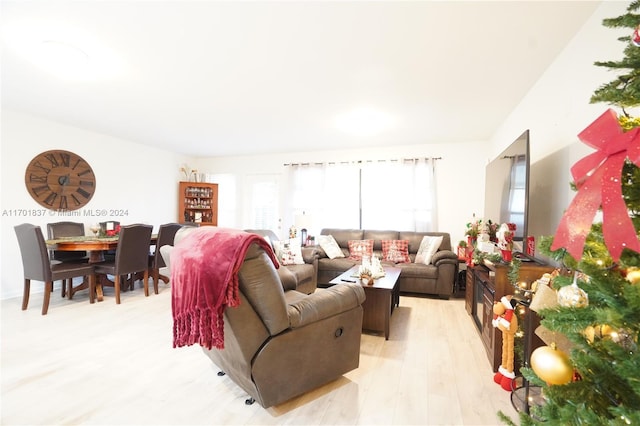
x=114, y=364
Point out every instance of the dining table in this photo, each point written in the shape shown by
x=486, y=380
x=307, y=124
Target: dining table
x=95, y=246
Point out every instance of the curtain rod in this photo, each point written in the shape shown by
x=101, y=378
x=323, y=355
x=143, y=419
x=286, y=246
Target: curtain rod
x=360, y=161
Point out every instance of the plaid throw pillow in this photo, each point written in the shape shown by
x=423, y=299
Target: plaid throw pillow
x=359, y=248
x=396, y=251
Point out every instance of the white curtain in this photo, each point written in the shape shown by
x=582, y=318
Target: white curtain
x=261, y=202
x=392, y=194
x=399, y=195
x=326, y=193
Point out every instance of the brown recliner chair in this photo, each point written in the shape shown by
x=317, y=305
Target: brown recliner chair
x=303, y=278
x=280, y=344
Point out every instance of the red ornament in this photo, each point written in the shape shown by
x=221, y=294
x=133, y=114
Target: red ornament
x=635, y=38
x=576, y=376
x=597, y=177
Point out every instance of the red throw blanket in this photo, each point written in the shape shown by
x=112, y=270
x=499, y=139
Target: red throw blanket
x=204, y=281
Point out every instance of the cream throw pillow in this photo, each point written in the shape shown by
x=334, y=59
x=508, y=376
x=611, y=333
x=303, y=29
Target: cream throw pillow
x=330, y=246
x=289, y=252
x=428, y=247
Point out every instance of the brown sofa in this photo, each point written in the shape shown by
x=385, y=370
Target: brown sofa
x=436, y=278
x=302, y=278
x=278, y=343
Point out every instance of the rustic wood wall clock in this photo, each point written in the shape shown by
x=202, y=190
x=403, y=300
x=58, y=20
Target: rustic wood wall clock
x=60, y=180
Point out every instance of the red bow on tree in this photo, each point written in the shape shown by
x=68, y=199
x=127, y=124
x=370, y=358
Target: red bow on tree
x=597, y=178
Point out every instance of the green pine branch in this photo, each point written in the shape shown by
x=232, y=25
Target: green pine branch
x=624, y=90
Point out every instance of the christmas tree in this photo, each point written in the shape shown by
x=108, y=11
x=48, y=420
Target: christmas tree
x=595, y=378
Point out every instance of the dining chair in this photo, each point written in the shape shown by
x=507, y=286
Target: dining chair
x=109, y=255
x=131, y=256
x=37, y=265
x=66, y=229
x=166, y=233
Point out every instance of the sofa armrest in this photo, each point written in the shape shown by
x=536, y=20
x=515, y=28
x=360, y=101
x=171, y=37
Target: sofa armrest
x=325, y=303
x=444, y=256
x=320, y=252
x=309, y=254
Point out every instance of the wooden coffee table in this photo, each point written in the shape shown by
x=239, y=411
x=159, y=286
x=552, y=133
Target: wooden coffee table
x=382, y=297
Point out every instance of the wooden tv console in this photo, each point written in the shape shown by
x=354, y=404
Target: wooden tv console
x=487, y=284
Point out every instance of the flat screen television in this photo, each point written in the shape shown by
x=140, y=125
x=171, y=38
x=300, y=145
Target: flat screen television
x=507, y=188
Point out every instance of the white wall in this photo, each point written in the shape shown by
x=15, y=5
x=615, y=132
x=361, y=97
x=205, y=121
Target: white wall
x=137, y=179
x=557, y=107
x=459, y=176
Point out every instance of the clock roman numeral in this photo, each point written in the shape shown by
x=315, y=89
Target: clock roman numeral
x=86, y=183
x=36, y=178
x=82, y=192
x=40, y=166
x=84, y=172
x=51, y=198
x=76, y=164
x=65, y=158
x=63, y=202
x=52, y=159
x=75, y=200
x=40, y=189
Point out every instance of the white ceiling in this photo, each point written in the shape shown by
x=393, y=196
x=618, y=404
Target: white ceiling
x=208, y=78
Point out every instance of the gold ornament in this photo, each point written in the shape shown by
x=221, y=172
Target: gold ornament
x=551, y=365
x=622, y=336
x=633, y=275
x=572, y=296
x=597, y=331
x=590, y=333
x=605, y=330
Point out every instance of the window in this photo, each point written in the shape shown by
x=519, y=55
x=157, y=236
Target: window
x=517, y=191
x=262, y=199
x=396, y=194
x=325, y=193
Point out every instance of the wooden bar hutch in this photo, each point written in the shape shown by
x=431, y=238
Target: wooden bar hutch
x=198, y=203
